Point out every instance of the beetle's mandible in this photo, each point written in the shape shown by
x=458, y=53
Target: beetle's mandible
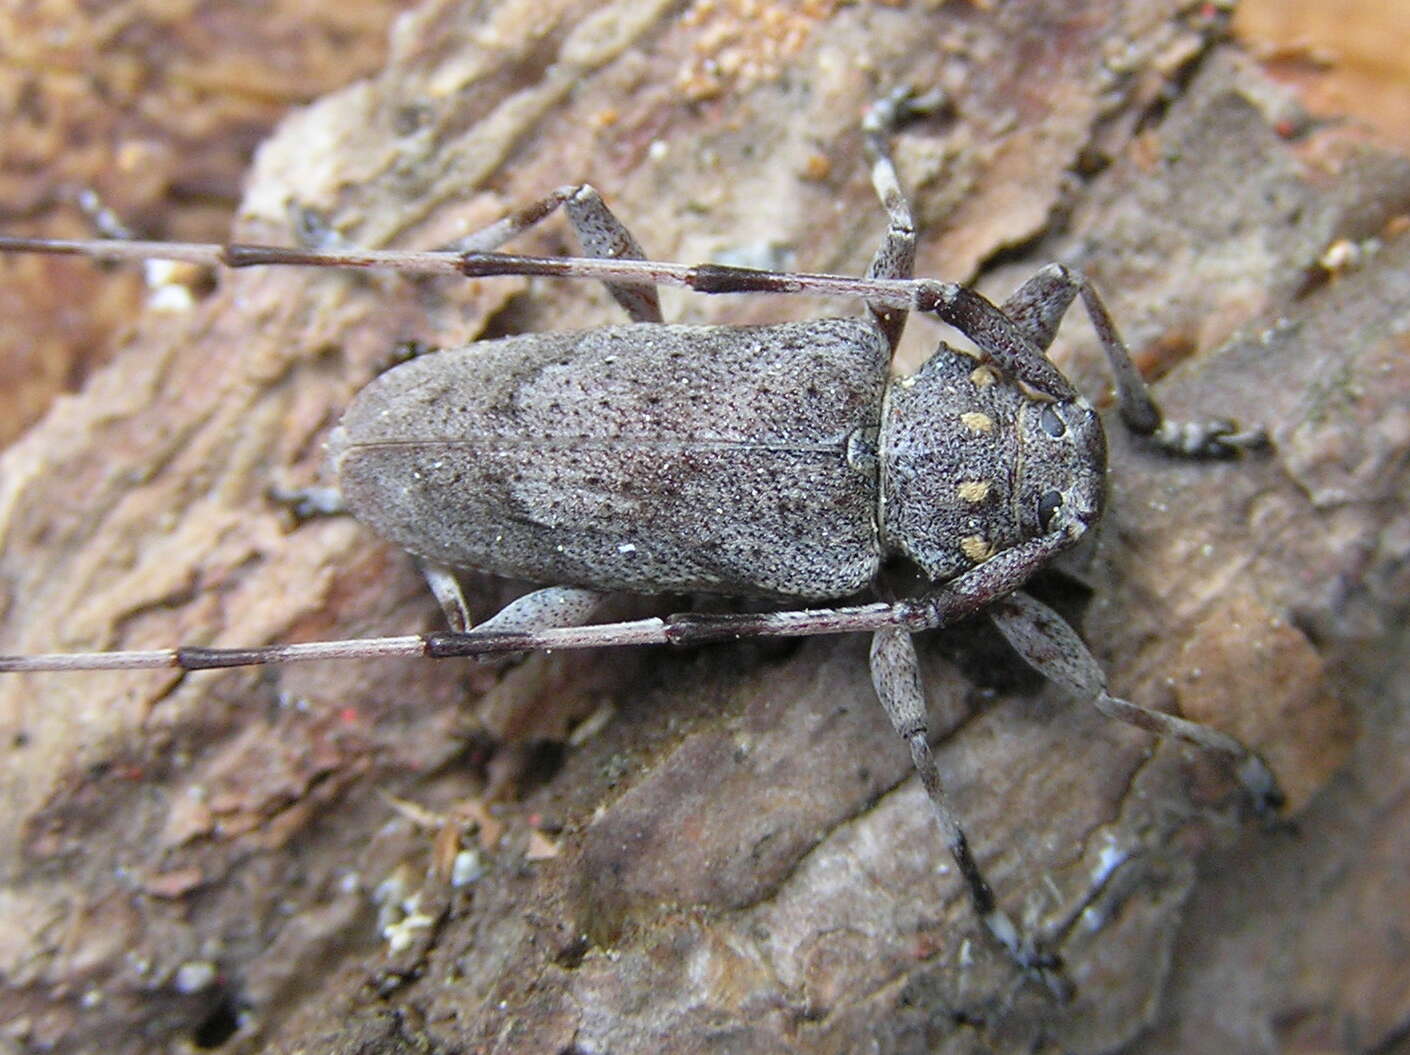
x=774, y=461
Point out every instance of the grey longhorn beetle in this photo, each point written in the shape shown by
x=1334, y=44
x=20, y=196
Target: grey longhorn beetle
x=776, y=461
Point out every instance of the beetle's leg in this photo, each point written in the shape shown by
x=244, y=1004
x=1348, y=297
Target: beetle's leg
x=896, y=675
x=552, y=606
x=445, y=587
x=600, y=233
x=1012, y=344
x=549, y=608
x=1053, y=649
x=1038, y=306
x=306, y=503
x=603, y=235
x=896, y=256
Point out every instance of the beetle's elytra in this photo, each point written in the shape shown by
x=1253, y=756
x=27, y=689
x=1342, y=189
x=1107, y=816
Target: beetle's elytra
x=685, y=458
x=776, y=461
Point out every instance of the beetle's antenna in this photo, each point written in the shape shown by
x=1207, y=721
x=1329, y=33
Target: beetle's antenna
x=941, y=606
x=236, y=254
x=702, y=278
x=686, y=629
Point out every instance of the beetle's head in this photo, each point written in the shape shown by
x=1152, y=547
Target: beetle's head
x=1062, y=467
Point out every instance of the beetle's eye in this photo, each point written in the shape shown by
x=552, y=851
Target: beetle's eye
x=1052, y=423
x=1048, y=505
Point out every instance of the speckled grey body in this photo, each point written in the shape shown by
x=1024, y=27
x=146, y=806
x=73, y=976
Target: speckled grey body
x=967, y=458
x=771, y=460
x=645, y=458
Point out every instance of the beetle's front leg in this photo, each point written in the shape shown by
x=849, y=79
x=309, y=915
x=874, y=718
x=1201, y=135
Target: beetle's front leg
x=896, y=675
x=1038, y=306
x=1051, y=647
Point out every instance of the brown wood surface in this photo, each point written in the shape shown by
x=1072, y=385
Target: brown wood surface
x=723, y=850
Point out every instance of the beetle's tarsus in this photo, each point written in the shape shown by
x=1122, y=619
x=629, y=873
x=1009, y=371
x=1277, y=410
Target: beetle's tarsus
x=308, y=503
x=1264, y=796
x=1218, y=438
x=1032, y=956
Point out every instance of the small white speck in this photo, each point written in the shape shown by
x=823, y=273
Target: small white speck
x=658, y=150
x=158, y=273
x=1111, y=857
x=466, y=868
x=194, y=975
x=391, y=889
x=626, y=547
x=401, y=934
x=173, y=299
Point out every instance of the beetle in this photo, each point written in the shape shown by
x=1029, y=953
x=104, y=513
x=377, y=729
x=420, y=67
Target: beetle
x=776, y=461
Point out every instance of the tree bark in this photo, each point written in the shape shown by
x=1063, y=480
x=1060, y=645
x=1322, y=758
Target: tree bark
x=724, y=849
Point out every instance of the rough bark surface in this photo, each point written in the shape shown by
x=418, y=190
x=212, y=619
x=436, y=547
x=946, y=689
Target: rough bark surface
x=724, y=850
x=155, y=108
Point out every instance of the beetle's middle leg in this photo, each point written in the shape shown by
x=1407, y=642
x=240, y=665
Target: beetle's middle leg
x=601, y=234
x=895, y=671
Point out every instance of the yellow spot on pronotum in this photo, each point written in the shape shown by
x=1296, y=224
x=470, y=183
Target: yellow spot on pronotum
x=977, y=548
x=974, y=491
x=977, y=422
x=983, y=376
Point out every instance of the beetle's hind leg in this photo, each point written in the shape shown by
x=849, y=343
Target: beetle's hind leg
x=602, y=236
x=896, y=675
x=1051, y=647
x=308, y=503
